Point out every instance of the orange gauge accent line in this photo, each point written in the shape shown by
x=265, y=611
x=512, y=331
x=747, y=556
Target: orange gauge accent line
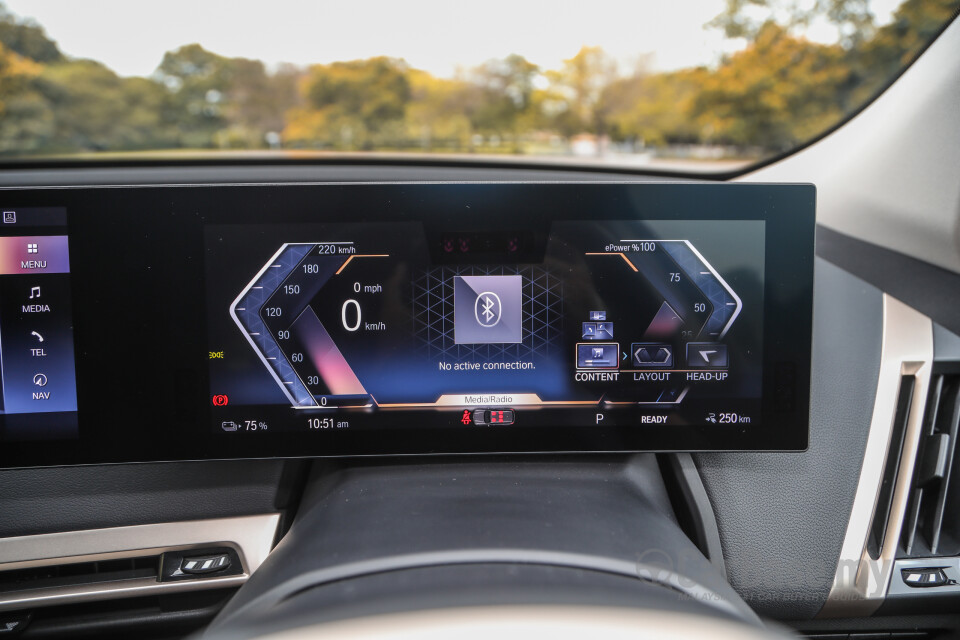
x=625, y=259
x=369, y=255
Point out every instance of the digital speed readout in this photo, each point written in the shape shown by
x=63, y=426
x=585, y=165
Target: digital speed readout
x=597, y=323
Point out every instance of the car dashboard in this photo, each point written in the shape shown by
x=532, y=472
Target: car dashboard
x=259, y=406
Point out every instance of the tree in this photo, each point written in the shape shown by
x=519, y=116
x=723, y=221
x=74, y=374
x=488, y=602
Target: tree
x=576, y=89
x=352, y=105
x=196, y=81
x=27, y=39
x=438, y=114
x=654, y=109
x=94, y=109
x=777, y=92
x=504, y=93
x=896, y=45
x=747, y=18
x=25, y=119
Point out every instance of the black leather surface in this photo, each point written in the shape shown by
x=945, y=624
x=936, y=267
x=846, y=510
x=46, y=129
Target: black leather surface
x=782, y=516
x=71, y=498
x=932, y=290
x=608, y=514
x=471, y=585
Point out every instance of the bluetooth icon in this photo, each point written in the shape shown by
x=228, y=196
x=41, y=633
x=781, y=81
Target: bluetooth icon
x=487, y=304
x=488, y=309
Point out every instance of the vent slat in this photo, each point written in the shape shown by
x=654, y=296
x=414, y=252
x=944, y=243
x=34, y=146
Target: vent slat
x=881, y=513
x=908, y=535
x=78, y=573
x=950, y=411
x=931, y=526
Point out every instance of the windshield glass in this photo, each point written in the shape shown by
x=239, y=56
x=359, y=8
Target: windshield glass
x=699, y=85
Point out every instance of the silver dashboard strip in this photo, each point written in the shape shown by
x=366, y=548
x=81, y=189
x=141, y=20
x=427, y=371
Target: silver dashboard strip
x=251, y=536
x=861, y=581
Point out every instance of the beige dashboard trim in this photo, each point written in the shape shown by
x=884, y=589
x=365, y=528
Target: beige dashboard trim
x=251, y=536
x=861, y=581
x=536, y=621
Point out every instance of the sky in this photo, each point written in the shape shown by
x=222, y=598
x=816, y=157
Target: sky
x=439, y=36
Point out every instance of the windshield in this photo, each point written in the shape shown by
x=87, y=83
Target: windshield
x=699, y=85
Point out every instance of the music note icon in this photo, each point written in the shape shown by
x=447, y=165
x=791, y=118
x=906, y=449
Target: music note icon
x=34, y=292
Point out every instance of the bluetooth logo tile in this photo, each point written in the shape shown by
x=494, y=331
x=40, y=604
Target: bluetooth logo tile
x=487, y=309
x=541, y=314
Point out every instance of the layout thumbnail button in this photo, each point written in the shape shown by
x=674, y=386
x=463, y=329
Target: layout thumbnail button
x=589, y=331
x=654, y=355
x=597, y=331
x=707, y=355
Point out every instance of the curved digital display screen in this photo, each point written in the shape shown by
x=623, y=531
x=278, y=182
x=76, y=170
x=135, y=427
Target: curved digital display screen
x=293, y=320
x=588, y=323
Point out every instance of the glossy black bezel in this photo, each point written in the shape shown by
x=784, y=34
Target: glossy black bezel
x=137, y=264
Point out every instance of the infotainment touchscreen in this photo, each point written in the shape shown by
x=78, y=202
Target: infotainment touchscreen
x=38, y=397
x=299, y=320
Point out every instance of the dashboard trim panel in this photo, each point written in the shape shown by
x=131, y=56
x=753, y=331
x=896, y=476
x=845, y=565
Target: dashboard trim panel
x=251, y=536
x=861, y=581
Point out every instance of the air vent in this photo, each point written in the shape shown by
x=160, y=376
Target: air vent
x=74, y=567
x=931, y=527
x=79, y=573
x=888, y=482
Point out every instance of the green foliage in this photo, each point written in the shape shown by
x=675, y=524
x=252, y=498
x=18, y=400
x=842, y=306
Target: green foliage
x=576, y=89
x=774, y=94
x=747, y=18
x=502, y=94
x=351, y=105
x=25, y=119
x=895, y=45
x=655, y=109
x=97, y=110
x=26, y=39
